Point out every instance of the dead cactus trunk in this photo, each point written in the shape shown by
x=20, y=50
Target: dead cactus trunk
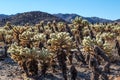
x=61, y=57
x=32, y=67
x=73, y=72
x=44, y=68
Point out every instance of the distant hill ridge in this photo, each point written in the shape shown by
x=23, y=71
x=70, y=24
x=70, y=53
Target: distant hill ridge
x=2, y=16
x=69, y=17
x=34, y=17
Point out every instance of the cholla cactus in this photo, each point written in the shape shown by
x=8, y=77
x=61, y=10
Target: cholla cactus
x=60, y=40
x=44, y=43
x=108, y=49
x=77, y=21
x=99, y=42
x=26, y=38
x=43, y=54
x=8, y=26
x=8, y=38
x=61, y=27
x=86, y=32
x=9, y=32
x=42, y=24
x=39, y=40
x=6, y=35
x=88, y=44
x=19, y=29
x=40, y=37
x=87, y=41
x=61, y=43
x=45, y=58
x=14, y=51
x=18, y=50
x=108, y=36
x=85, y=23
x=116, y=29
x=118, y=38
x=98, y=28
x=75, y=31
x=108, y=28
x=27, y=34
x=2, y=34
x=25, y=58
x=39, y=27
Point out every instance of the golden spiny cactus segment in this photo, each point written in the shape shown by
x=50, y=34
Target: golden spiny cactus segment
x=88, y=44
x=17, y=51
x=60, y=40
x=108, y=49
x=40, y=37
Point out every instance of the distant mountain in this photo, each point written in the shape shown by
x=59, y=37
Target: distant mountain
x=69, y=17
x=118, y=20
x=98, y=20
x=34, y=17
x=2, y=16
x=29, y=17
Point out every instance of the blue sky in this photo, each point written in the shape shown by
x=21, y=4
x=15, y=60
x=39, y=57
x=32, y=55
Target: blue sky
x=109, y=9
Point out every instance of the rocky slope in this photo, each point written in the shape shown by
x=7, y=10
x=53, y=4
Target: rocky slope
x=29, y=17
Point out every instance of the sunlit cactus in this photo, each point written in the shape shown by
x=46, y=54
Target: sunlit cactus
x=99, y=42
x=76, y=35
x=85, y=23
x=2, y=35
x=61, y=27
x=26, y=38
x=25, y=58
x=39, y=40
x=86, y=32
x=60, y=40
x=108, y=28
x=8, y=26
x=61, y=43
x=88, y=44
x=49, y=24
x=53, y=43
x=42, y=25
x=77, y=21
x=98, y=28
x=108, y=36
x=45, y=58
x=40, y=37
x=108, y=49
x=8, y=38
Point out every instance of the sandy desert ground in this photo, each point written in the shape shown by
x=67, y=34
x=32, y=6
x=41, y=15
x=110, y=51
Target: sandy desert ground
x=9, y=70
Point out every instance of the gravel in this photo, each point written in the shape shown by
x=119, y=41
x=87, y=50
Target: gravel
x=9, y=70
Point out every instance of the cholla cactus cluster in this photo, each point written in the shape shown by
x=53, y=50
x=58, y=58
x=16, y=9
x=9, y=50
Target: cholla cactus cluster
x=108, y=49
x=39, y=37
x=60, y=40
x=108, y=36
x=88, y=44
x=24, y=52
x=44, y=54
x=18, y=51
x=42, y=41
x=6, y=35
